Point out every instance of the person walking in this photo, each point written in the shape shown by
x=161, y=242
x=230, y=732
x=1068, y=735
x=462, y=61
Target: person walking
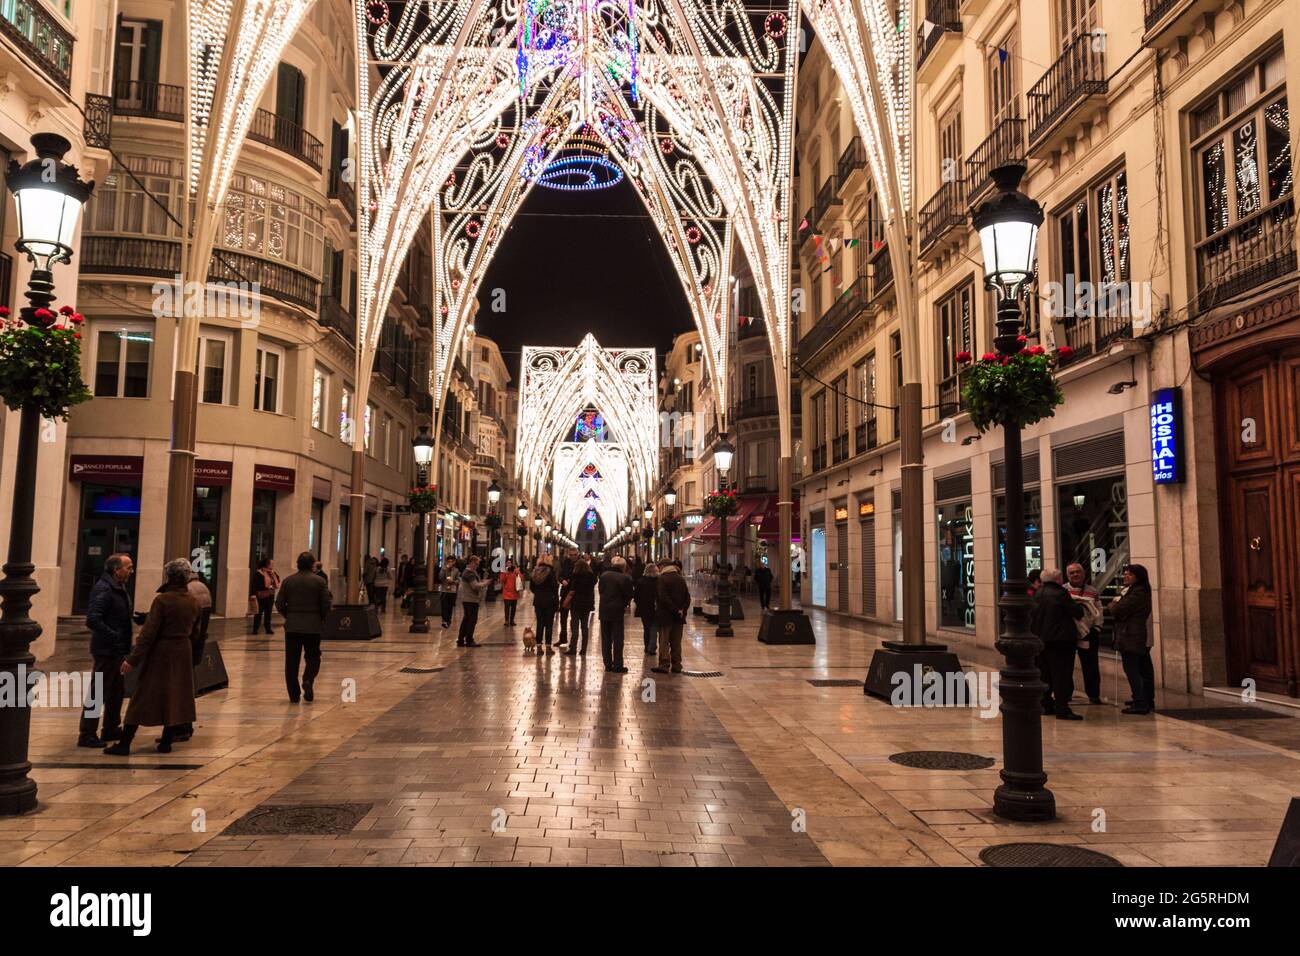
x=545, y=586
x=471, y=590
x=565, y=571
x=199, y=591
x=262, y=586
x=763, y=581
x=319, y=571
x=108, y=617
x=511, y=582
x=1131, y=612
x=448, y=585
x=673, y=602
x=616, y=593
x=379, y=585
x=369, y=568
x=305, y=601
x=400, y=583
x=163, y=653
x=646, y=592
x=579, y=596
x=1089, y=629
x=1053, y=620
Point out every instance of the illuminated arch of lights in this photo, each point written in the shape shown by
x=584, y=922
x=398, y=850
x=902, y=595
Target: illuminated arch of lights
x=574, y=490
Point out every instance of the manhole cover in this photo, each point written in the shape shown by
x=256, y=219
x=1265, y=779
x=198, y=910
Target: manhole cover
x=1222, y=713
x=701, y=673
x=1044, y=854
x=325, y=820
x=420, y=670
x=836, y=683
x=941, y=760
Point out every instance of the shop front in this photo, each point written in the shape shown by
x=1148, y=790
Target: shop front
x=956, y=552
x=322, y=490
x=211, y=483
x=269, y=482
x=108, y=516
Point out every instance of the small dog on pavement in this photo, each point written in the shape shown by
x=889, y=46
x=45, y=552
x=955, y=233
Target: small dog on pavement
x=530, y=641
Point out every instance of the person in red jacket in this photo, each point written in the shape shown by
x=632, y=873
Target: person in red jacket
x=511, y=581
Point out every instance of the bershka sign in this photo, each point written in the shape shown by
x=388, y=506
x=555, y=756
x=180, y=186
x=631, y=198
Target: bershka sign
x=273, y=478
x=125, y=469
x=77, y=909
x=1167, y=436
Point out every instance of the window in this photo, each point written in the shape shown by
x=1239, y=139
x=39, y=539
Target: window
x=385, y=436
x=135, y=66
x=368, y=426
x=864, y=376
x=751, y=381
x=1242, y=157
x=950, y=146
x=320, y=398
x=345, y=414
x=264, y=218
x=400, y=451
x=290, y=91
x=1004, y=99
x=267, y=378
x=214, y=358
x=1074, y=18
x=896, y=374
x=1094, y=234
x=122, y=359
x=956, y=334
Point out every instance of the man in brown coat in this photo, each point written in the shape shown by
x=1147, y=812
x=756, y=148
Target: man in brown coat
x=673, y=603
x=164, y=655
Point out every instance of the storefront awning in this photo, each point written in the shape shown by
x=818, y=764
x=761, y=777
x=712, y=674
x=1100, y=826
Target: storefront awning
x=769, y=522
x=711, y=529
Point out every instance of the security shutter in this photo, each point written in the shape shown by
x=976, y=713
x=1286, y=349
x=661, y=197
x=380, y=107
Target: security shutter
x=1033, y=474
x=868, y=528
x=1105, y=453
x=842, y=567
x=952, y=487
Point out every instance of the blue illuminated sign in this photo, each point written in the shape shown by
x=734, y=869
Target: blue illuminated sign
x=1167, y=436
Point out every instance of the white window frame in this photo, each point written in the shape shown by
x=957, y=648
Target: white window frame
x=269, y=348
x=209, y=334
x=323, y=375
x=347, y=424
x=368, y=428
x=126, y=327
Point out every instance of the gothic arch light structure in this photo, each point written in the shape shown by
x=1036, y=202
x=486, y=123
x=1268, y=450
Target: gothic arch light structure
x=575, y=489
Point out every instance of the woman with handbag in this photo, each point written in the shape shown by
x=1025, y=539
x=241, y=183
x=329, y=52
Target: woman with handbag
x=1131, y=612
x=580, y=598
x=263, y=584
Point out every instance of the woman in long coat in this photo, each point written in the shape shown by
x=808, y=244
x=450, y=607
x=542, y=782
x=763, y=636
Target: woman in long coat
x=163, y=653
x=546, y=599
x=1130, y=612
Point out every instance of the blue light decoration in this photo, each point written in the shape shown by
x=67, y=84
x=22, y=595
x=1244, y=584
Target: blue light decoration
x=582, y=164
x=591, y=519
x=1166, y=412
x=590, y=427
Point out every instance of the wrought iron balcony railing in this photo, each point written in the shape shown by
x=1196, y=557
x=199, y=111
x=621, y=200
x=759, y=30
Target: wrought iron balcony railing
x=34, y=31
x=1079, y=73
x=846, y=308
x=288, y=136
x=1252, y=253
x=151, y=100
x=866, y=436
x=1155, y=10
x=840, y=448
x=945, y=17
x=98, y=125
x=1002, y=147
x=754, y=407
x=341, y=189
x=819, y=458
x=882, y=270
x=1089, y=334
x=335, y=315
x=826, y=198
x=854, y=157
x=946, y=210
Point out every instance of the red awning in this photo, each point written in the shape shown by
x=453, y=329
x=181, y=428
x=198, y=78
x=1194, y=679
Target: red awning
x=770, y=522
x=747, y=506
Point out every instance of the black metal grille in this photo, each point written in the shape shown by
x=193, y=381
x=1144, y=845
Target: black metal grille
x=1223, y=713
x=701, y=673
x=1044, y=854
x=836, y=683
x=941, y=760
x=421, y=670
x=325, y=820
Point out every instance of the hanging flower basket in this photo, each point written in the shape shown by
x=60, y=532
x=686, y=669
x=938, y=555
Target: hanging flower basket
x=493, y=521
x=721, y=504
x=40, y=365
x=422, y=498
x=1012, y=390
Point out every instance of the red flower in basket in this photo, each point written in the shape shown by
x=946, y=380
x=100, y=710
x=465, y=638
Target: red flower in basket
x=66, y=310
x=77, y=318
x=44, y=315
x=1065, y=351
x=1022, y=339
x=1037, y=350
x=962, y=357
x=4, y=311
x=988, y=357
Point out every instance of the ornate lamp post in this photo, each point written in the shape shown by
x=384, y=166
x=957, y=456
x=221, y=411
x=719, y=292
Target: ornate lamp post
x=422, y=445
x=670, y=499
x=1008, y=225
x=49, y=195
x=522, y=531
x=722, y=456
x=648, y=531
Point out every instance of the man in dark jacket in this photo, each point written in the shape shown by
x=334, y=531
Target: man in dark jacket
x=304, y=600
x=616, y=590
x=1052, y=619
x=108, y=616
x=763, y=579
x=564, y=572
x=673, y=603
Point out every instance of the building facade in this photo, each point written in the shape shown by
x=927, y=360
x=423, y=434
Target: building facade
x=1157, y=139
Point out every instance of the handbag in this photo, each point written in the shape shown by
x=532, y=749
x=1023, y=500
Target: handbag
x=252, y=605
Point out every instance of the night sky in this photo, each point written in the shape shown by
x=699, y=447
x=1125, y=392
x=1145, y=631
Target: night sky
x=578, y=262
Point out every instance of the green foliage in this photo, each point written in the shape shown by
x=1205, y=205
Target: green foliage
x=1011, y=390
x=40, y=366
x=721, y=504
x=422, y=498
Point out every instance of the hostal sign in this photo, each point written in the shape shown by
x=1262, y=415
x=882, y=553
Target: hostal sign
x=1167, y=436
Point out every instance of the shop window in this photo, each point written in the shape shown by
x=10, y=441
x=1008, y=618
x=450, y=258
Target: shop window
x=122, y=359
x=956, y=565
x=1092, y=517
x=267, y=378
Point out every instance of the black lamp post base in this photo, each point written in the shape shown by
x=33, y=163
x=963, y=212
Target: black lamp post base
x=351, y=622
x=21, y=799
x=914, y=662
x=785, y=626
x=1024, y=805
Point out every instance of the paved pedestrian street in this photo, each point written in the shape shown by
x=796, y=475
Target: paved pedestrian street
x=490, y=756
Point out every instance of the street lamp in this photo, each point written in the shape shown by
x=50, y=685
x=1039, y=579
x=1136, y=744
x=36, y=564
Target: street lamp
x=722, y=456
x=49, y=195
x=670, y=499
x=422, y=446
x=1008, y=225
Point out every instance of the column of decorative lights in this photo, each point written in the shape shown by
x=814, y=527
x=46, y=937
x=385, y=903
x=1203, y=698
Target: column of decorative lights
x=1008, y=225
x=48, y=194
x=422, y=445
x=723, y=452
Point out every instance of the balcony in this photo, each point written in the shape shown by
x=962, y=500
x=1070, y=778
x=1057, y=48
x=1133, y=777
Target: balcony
x=139, y=256
x=755, y=328
x=160, y=101
x=1057, y=101
x=853, y=159
x=1003, y=147
x=826, y=198
x=809, y=217
x=945, y=212
x=1247, y=256
x=30, y=27
x=1093, y=334
x=287, y=136
x=341, y=191
x=834, y=320
x=334, y=315
x=882, y=271
x=1169, y=22
x=866, y=435
x=819, y=458
x=840, y=448
x=945, y=15
x=98, y=125
x=950, y=400
x=754, y=407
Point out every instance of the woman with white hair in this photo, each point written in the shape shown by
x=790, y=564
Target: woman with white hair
x=163, y=653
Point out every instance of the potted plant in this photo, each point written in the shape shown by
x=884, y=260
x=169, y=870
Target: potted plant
x=1012, y=390
x=40, y=365
x=422, y=498
x=721, y=503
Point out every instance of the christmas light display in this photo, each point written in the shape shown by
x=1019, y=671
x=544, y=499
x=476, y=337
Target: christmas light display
x=572, y=494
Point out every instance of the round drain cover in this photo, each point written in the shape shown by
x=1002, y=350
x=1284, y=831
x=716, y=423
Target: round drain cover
x=942, y=760
x=1044, y=854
